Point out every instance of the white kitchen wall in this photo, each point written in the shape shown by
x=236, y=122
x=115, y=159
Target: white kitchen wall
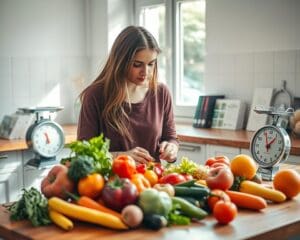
x=50, y=50
x=250, y=44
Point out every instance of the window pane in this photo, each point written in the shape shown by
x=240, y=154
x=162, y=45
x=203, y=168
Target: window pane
x=153, y=19
x=191, y=47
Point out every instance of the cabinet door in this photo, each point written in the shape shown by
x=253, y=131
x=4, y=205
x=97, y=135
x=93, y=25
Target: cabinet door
x=214, y=150
x=11, y=178
x=34, y=176
x=194, y=152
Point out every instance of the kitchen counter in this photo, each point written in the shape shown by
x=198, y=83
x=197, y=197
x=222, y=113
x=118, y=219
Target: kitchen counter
x=277, y=221
x=186, y=133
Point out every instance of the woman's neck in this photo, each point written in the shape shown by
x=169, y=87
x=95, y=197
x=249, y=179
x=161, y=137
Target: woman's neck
x=136, y=93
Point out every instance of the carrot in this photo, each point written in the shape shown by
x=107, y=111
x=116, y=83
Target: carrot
x=246, y=200
x=260, y=190
x=85, y=214
x=91, y=203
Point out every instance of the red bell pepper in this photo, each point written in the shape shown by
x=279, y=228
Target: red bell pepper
x=124, y=166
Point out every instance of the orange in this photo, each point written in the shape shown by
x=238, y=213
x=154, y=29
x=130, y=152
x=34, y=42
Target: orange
x=91, y=185
x=288, y=182
x=244, y=166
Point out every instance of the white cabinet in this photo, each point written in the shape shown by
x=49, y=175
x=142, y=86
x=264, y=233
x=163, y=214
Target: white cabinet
x=215, y=150
x=194, y=152
x=11, y=176
x=34, y=176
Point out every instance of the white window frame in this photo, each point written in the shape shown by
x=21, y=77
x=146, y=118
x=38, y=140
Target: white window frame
x=172, y=51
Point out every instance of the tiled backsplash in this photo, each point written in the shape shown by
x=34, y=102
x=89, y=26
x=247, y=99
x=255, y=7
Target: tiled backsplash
x=59, y=80
x=237, y=75
x=44, y=81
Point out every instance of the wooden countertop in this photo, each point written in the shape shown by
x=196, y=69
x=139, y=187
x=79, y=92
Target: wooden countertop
x=186, y=133
x=277, y=221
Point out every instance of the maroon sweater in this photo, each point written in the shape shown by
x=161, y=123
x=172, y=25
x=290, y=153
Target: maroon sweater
x=150, y=121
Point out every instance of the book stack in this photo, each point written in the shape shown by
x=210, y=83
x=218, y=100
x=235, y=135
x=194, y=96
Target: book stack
x=204, y=110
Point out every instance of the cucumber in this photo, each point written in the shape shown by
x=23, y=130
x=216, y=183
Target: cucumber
x=195, y=192
x=189, y=209
x=192, y=200
x=188, y=183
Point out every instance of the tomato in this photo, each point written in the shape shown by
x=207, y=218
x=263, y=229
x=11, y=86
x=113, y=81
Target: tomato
x=219, y=178
x=172, y=178
x=151, y=176
x=215, y=196
x=91, y=185
x=225, y=211
x=124, y=166
x=217, y=159
x=141, y=168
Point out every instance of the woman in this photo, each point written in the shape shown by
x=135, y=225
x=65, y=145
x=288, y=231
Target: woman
x=128, y=105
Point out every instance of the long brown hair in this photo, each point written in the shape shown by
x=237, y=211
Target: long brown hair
x=113, y=76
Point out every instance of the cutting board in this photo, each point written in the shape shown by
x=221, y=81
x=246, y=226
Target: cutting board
x=272, y=222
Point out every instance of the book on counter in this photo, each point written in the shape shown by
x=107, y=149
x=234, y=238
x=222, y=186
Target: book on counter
x=204, y=110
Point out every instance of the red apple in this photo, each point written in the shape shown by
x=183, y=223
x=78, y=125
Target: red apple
x=219, y=178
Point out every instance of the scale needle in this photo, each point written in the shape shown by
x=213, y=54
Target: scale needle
x=47, y=138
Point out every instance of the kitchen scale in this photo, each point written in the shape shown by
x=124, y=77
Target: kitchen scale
x=44, y=137
x=271, y=144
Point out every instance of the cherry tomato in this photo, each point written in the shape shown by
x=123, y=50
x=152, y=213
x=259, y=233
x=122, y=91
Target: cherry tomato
x=141, y=168
x=224, y=212
x=215, y=196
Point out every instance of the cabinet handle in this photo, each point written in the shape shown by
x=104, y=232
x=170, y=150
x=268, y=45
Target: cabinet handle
x=3, y=156
x=189, y=148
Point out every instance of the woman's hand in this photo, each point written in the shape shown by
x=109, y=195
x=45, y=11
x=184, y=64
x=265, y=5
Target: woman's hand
x=140, y=155
x=168, y=151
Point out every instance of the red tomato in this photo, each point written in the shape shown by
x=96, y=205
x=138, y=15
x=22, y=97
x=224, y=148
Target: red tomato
x=141, y=168
x=172, y=178
x=217, y=159
x=215, y=196
x=224, y=212
x=219, y=178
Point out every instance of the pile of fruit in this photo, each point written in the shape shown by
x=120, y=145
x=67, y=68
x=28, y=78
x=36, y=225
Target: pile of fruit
x=119, y=194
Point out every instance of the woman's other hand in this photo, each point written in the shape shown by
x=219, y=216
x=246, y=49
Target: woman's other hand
x=140, y=155
x=168, y=151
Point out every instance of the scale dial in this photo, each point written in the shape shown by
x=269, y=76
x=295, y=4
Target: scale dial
x=46, y=138
x=270, y=145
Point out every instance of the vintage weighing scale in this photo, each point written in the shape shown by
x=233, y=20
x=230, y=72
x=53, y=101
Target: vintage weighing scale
x=271, y=144
x=44, y=137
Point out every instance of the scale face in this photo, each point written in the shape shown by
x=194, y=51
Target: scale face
x=45, y=137
x=269, y=146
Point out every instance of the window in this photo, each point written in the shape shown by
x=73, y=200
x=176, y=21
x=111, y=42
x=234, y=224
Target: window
x=179, y=27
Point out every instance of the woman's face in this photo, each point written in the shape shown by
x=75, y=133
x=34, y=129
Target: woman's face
x=142, y=67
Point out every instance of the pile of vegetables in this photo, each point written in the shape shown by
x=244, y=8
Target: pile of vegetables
x=119, y=194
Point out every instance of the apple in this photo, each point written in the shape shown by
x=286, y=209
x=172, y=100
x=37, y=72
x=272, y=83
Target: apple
x=217, y=159
x=219, y=178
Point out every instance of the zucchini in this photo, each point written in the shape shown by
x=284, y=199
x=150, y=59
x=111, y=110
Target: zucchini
x=188, y=209
x=195, y=192
x=192, y=200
